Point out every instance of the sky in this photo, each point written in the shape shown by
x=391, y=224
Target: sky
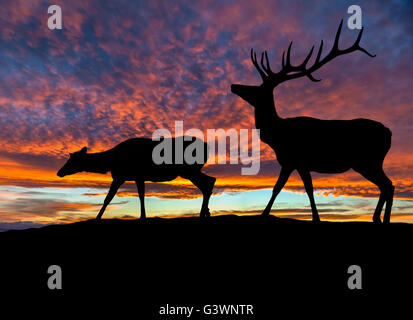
x=122, y=69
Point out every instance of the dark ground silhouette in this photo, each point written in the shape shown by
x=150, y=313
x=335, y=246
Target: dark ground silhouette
x=307, y=144
x=276, y=264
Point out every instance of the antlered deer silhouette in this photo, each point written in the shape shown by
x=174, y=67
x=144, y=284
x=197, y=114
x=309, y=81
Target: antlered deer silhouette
x=307, y=144
x=131, y=160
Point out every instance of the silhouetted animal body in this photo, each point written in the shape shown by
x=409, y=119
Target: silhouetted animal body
x=132, y=160
x=307, y=144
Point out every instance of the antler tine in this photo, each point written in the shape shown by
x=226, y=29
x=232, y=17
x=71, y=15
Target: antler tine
x=336, y=39
x=288, y=67
x=310, y=76
x=288, y=55
x=255, y=63
x=357, y=44
x=252, y=55
x=317, y=59
x=304, y=63
x=301, y=67
x=268, y=63
x=262, y=61
x=266, y=66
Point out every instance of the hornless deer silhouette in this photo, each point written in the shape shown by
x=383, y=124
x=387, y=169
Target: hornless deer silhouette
x=307, y=144
x=131, y=160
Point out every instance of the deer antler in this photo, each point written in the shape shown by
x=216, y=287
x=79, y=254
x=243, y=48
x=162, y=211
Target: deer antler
x=289, y=71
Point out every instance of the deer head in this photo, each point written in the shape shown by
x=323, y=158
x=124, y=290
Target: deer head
x=255, y=95
x=75, y=163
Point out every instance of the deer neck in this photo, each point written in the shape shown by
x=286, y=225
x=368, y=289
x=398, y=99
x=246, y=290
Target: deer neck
x=266, y=119
x=97, y=162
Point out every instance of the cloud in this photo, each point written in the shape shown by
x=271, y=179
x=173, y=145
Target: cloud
x=46, y=207
x=20, y=225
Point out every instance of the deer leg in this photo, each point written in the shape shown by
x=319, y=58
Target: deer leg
x=389, y=203
x=112, y=191
x=141, y=191
x=282, y=180
x=387, y=190
x=379, y=178
x=379, y=207
x=308, y=185
x=204, y=183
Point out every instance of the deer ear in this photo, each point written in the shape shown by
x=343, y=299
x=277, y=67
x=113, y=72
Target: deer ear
x=84, y=150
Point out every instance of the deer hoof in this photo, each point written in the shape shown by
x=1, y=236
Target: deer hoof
x=205, y=214
x=265, y=213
